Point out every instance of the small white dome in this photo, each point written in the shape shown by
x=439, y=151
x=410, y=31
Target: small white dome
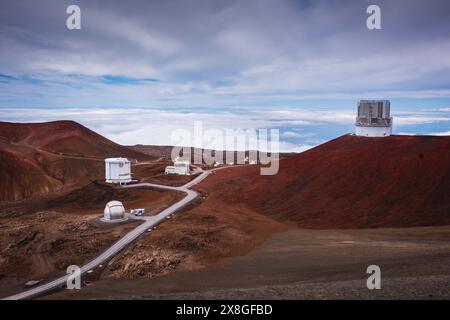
x=114, y=210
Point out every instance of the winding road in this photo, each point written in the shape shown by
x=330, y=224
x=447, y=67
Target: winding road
x=149, y=222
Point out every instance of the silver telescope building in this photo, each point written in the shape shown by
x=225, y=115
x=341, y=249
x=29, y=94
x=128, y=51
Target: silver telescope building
x=374, y=119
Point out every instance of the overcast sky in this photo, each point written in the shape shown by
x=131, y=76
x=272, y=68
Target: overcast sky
x=220, y=54
x=213, y=53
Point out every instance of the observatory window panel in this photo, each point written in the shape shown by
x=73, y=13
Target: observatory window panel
x=120, y=165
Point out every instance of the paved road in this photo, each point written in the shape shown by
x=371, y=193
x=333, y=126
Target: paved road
x=150, y=222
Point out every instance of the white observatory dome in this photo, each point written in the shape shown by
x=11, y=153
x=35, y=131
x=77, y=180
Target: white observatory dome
x=114, y=210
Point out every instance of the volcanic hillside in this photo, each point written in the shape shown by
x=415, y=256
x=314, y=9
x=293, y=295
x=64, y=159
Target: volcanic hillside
x=349, y=182
x=39, y=158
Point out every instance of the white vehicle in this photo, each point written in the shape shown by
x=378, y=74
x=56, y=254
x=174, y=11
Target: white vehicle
x=137, y=212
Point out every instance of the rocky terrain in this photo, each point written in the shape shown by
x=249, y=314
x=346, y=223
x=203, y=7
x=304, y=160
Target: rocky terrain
x=40, y=237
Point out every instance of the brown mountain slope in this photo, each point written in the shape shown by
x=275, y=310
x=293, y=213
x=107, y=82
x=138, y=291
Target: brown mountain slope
x=350, y=182
x=63, y=137
x=39, y=158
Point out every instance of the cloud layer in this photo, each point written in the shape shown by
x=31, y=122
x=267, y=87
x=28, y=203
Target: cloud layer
x=299, y=128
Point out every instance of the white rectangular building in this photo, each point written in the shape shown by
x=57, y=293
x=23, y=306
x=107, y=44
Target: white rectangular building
x=179, y=167
x=117, y=170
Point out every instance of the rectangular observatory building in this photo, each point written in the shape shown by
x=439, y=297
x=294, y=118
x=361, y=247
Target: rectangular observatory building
x=117, y=170
x=374, y=119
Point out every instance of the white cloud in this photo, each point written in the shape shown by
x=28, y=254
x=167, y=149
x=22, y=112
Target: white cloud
x=289, y=134
x=441, y=109
x=412, y=119
x=447, y=133
x=405, y=134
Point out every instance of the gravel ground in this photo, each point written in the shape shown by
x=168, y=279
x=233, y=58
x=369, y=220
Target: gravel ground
x=427, y=287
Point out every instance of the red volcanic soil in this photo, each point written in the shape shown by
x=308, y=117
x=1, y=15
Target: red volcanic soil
x=349, y=182
x=39, y=158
